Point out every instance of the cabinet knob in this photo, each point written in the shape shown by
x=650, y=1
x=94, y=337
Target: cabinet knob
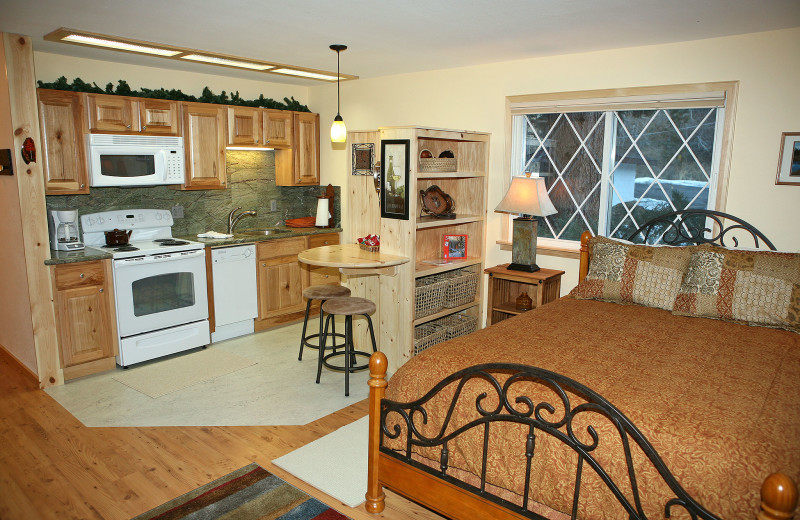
x=82, y=185
x=101, y=289
x=128, y=127
x=263, y=265
x=266, y=142
x=81, y=275
x=144, y=127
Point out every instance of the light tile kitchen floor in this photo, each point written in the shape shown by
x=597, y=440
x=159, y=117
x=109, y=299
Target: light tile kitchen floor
x=277, y=390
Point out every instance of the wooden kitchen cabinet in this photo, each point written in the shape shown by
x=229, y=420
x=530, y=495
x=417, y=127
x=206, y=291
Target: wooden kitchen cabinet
x=85, y=317
x=299, y=166
x=319, y=275
x=63, y=153
x=204, y=140
x=244, y=126
x=280, y=280
x=278, y=128
x=108, y=113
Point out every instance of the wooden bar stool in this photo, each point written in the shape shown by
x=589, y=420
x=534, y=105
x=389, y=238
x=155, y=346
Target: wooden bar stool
x=322, y=293
x=347, y=307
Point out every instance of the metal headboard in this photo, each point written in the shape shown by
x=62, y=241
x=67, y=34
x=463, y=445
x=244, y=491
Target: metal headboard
x=689, y=226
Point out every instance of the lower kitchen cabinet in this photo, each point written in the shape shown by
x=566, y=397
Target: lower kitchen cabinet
x=281, y=278
x=84, y=304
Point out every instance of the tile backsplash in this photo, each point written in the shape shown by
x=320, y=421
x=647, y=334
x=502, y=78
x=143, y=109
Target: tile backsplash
x=251, y=186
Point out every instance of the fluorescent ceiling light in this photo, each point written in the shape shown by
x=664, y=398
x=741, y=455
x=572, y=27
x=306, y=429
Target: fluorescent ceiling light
x=172, y=52
x=111, y=44
x=227, y=62
x=305, y=74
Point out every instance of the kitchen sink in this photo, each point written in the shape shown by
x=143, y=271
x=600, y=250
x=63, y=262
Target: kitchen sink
x=262, y=232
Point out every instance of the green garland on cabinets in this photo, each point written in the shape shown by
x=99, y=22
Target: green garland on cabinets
x=123, y=89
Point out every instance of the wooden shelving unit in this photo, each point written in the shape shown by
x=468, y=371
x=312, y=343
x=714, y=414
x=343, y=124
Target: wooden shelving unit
x=420, y=237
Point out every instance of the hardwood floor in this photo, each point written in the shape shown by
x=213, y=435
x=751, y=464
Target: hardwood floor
x=53, y=467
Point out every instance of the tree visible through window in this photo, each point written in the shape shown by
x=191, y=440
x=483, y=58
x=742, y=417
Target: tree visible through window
x=611, y=171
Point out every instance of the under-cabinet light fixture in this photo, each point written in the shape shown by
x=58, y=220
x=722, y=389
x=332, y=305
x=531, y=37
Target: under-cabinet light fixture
x=249, y=148
x=88, y=39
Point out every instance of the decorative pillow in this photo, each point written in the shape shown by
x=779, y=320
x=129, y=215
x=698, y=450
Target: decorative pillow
x=630, y=273
x=755, y=287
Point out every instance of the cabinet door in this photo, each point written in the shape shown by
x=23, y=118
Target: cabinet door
x=244, y=126
x=83, y=311
x=280, y=286
x=159, y=117
x=112, y=114
x=300, y=165
x=278, y=128
x=60, y=119
x=204, y=140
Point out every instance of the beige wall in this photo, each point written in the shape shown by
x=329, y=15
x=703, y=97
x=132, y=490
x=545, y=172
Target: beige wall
x=474, y=98
x=50, y=67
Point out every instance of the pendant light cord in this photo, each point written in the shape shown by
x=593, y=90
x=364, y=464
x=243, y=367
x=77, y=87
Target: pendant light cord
x=338, y=81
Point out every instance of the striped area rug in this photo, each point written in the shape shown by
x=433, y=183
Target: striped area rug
x=246, y=494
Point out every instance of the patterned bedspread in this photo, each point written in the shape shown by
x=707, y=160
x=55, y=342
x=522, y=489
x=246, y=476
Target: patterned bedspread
x=719, y=401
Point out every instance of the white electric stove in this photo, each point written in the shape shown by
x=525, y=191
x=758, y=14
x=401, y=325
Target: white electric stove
x=159, y=284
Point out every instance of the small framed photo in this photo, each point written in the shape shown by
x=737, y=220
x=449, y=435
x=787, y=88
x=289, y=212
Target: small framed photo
x=789, y=159
x=363, y=158
x=394, y=178
x=454, y=246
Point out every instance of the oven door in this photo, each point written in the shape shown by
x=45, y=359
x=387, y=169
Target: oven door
x=159, y=291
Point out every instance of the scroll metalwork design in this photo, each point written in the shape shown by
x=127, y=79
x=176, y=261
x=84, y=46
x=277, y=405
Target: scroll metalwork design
x=540, y=415
x=690, y=226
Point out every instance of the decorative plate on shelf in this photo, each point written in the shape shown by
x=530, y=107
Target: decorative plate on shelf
x=437, y=203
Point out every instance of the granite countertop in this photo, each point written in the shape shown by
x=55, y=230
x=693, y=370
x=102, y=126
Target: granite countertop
x=90, y=253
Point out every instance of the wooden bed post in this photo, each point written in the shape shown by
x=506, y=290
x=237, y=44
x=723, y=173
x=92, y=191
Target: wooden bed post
x=778, y=498
x=377, y=390
x=583, y=269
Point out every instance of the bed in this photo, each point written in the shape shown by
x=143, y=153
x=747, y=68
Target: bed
x=626, y=399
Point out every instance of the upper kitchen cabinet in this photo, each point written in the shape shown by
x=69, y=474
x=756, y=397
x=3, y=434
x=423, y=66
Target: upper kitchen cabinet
x=258, y=127
x=278, y=128
x=299, y=166
x=125, y=115
x=61, y=122
x=204, y=140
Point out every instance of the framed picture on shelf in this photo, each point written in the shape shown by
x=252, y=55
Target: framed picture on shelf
x=789, y=159
x=454, y=246
x=394, y=178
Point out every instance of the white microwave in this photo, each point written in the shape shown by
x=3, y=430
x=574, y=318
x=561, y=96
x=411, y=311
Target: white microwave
x=134, y=160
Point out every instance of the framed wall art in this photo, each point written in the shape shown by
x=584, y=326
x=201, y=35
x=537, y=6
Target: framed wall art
x=394, y=178
x=454, y=246
x=363, y=158
x=789, y=159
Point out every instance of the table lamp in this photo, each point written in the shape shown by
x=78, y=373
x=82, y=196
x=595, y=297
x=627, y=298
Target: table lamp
x=528, y=198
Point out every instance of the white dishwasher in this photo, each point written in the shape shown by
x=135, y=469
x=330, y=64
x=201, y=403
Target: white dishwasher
x=233, y=272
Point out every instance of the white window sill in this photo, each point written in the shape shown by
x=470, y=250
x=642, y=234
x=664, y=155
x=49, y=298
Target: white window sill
x=550, y=247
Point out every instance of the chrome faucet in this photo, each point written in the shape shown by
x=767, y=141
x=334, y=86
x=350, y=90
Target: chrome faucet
x=233, y=220
x=283, y=222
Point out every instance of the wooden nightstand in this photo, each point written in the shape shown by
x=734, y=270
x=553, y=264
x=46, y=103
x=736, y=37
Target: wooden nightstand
x=543, y=286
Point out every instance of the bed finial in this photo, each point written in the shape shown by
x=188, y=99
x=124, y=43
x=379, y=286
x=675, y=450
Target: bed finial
x=377, y=390
x=583, y=268
x=778, y=498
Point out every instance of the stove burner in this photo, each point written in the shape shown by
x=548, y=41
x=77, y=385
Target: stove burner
x=124, y=249
x=171, y=242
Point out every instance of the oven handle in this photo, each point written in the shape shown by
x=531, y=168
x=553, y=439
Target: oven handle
x=155, y=259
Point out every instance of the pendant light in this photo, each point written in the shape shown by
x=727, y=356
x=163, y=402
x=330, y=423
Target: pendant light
x=338, y=130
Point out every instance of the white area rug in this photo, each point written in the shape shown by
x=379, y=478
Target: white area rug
x=276, y=390
x=335, y=464
x=171, y=375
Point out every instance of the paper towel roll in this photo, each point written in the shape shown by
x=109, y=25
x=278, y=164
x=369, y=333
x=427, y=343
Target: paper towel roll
x=322, y=213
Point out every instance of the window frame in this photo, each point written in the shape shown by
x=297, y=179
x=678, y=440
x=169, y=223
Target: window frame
x=620, y=99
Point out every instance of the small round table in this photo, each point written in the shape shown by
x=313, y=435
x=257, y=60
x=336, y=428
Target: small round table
x=351, y=259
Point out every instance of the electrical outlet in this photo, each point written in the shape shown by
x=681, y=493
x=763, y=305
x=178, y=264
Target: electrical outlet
x=273, y=205
x=177, y=211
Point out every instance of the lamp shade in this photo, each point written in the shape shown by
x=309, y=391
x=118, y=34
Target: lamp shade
x=338, y=130
x=527, y=196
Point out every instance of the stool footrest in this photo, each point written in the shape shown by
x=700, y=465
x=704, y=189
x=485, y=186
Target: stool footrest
x=352, y=368
x=327, y=347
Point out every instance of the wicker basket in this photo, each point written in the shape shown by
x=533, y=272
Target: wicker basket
x=462, y=284
x=458, y=325
x=428, y=335
x=429, y=296
x=371, y=249
x=438, y=164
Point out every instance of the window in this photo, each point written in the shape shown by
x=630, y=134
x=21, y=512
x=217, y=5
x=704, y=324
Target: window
x=613, y=163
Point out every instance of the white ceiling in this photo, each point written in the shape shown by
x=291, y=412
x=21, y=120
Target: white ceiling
x=389, y=37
